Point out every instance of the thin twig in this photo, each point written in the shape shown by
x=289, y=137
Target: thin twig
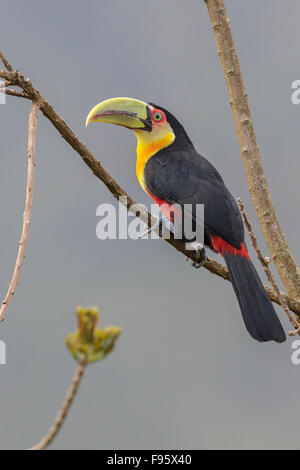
x=266, y=268
x=17, y=79
x=5, y=62
x=19, y=94
x=64, y=409
x=32, y=125
x=275, y=239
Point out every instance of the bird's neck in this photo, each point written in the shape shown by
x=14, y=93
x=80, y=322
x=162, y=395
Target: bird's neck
x=148, y=144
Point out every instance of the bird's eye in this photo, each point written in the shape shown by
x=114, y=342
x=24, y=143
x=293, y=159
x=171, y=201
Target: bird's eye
x=157, y=116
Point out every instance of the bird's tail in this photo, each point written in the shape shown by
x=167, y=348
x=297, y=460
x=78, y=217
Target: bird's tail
x=258, y=312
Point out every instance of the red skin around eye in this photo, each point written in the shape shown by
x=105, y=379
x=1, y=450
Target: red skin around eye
x=163, y=119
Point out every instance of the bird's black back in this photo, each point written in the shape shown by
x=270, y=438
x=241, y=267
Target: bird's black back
x=179, y=175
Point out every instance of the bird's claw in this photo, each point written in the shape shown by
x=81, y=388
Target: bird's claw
x=200, y=258
x=162, y=224
x=153, y=227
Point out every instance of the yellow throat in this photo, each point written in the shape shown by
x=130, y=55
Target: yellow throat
x=148, y=144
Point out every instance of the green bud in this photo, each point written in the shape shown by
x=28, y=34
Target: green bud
x=89, y=343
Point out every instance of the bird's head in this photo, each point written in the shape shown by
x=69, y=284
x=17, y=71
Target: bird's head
x=151, y=124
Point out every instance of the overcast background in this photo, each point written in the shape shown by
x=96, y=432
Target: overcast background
x=185, y=372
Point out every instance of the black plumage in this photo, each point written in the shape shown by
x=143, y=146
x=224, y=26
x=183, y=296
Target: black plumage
x=177, y=174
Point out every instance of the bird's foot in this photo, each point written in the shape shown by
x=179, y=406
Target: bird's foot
x=164, y=226
x=153, y=227
x=200, y=256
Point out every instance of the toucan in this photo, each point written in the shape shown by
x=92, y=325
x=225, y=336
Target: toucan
x=172, y=172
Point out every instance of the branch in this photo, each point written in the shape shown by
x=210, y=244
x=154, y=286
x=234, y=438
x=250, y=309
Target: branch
x=64, y=409
x=5, y=62
x=32, y=125
x=275, y=239
x=115, y=189
x=9, y=91
x=87, y=345
x=265, y=265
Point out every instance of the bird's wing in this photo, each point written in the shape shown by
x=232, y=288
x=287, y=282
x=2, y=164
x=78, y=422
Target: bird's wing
x=185, y=177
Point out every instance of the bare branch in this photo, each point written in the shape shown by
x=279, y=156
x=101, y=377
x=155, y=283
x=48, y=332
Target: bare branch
x=292, y=303
x=277, y=244
x=5, y=62
x=265, y=265
x=115, y=189
x=19, y=94
x=65, y=407
x=32, y=125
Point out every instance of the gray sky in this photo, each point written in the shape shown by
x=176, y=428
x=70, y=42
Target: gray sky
x=185, y=373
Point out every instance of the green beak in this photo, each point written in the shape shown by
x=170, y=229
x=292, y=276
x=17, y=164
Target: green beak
x=126, y=112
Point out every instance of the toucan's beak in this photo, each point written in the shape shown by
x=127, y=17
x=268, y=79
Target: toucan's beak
x=126, y=112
